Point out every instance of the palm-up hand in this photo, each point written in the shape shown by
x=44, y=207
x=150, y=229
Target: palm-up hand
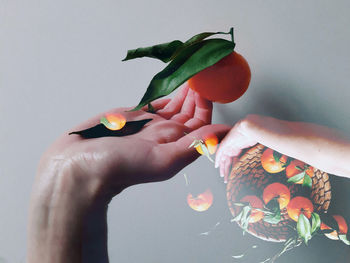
x=156, y=153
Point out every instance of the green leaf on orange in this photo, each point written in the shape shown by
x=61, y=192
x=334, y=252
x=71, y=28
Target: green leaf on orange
x=168, y=51
x=304, y=228
x=162, y=51
x=307, y=181
x=277, y=156
x=186, y=64
x=296, y=178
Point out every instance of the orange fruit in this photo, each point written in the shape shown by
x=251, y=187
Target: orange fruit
x=211, y=142
x=299, y=205
x=116, y=121
x=269, y=163
x=254, y=202
x=201, y=202
x=279, y=191
x=223, y=82
x=292, y=170
x=343, y=228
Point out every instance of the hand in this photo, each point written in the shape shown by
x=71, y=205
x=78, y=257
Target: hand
x=155, y=153
x=319, y=146
x=231, y=147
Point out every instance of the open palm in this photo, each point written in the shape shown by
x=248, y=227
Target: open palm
x=156, y=153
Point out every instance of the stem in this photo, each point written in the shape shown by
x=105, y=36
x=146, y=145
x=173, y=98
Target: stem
x=232, y=35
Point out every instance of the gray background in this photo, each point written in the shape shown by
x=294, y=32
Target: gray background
x=60, y=63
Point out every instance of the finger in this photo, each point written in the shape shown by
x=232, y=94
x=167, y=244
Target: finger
x=175, y=105
x=227, y=167
x=202, y=115
x=179, y=152
x=187, y=109
x=157, y=104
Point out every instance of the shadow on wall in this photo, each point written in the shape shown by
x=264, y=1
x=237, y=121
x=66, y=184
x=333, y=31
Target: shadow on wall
x=286, y=99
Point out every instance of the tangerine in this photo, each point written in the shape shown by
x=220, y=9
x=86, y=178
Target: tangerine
x=299, y=205
x=211, y=142
x=201, y=202
x=342, y=225
x=254, y=202
x=292, y=170
x=278, y=191
x=269, y=162
x=223, y=82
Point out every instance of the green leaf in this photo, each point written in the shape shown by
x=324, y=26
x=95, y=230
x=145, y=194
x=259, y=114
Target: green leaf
x=150, y=108
x=163, y=52
x=304, y=228
x=274, y=218
x=273, y=204
x=296, y=178
x=206, y=151
x=307, y=181
x=189, y=62
x=238, y=217
x=241, y=204
x=344, y=239
x=100, y=130
x=277, y=156
x=299, y=168
x=168, y=51
x=315, y=223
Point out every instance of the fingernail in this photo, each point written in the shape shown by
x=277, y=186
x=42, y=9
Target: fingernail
x=225, y=182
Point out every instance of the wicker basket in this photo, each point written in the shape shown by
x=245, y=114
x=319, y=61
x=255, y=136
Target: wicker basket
x=249, y=177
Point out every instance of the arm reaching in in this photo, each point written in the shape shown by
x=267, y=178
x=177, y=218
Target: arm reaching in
x=77, y=178
x=319, y=146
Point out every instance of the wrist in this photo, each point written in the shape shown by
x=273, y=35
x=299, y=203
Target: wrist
x=61, y=198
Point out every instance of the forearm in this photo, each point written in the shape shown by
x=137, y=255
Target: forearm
x=59, y=205
x=319, y=146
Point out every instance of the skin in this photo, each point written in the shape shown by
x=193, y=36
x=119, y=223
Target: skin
x=318, y=146
x=77, y=178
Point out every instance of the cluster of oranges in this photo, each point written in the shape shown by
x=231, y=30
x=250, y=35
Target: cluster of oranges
x=274, y=162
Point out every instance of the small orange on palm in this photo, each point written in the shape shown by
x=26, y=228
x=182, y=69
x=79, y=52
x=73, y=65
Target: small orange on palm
x=116, y=121
x=211, y=142
x=278, y=191
x=254, y=202
x=269, y=162
x=296, y=167
x=223, y=82
x=299, y=205
x=342, y=225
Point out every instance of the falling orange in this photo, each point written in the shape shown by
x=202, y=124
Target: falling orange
x=211, y=142
x=116, y=121
x=202, y=202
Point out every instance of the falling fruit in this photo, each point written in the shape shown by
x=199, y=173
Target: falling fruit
x=114, y=122
x=342, y=225
x=201, y=202
x=211, y=142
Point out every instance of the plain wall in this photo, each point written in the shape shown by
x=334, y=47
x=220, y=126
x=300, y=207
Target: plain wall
x=60, y=63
